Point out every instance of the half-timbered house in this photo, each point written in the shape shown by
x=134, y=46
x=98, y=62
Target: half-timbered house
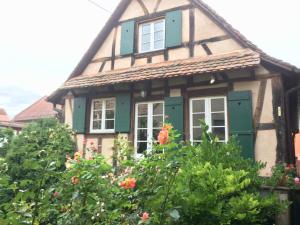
x=178, y=61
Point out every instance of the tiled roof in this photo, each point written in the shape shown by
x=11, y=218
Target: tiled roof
x=199, y=65
x=3, y=116
x=11, y=125
x=39, y=109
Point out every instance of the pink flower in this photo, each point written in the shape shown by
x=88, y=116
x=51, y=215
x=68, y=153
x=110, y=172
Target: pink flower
x=55, y=194
x=297, y=180
x=145, y=217
x=91, y=143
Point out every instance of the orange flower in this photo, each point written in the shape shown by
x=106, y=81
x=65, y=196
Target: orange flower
x=145, y=217
x=163, y=137
x=75, y=180
x=128, y=183
x=167, y=127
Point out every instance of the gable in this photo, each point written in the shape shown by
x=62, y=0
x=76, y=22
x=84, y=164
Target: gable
x=204, y=28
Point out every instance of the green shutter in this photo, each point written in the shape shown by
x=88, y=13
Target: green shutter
x=241, y=120
x=79, y=114
x=127, y=38
x=123, y=106
x=174, y=28
x=174, y=112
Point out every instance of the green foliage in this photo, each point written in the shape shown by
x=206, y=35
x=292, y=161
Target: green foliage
x=34, y=161
x=6, y=134
x=175, y=183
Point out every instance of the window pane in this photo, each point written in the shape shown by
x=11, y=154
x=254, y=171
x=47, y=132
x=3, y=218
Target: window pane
x=158, y=44
x=142, y=135
x=146, y=28
x=218, y=119
x=159, y=26
x=198, y=106
x=197, y=118
x=158, y=121
x=197, y=134
x=155, y=133
x=217, y=105
x=110, y=104
x=142, y=109
x=109, y=124
x=110, y=114
x=97, y=115
x=97, y=105
x=145, y=47
x=219, y=132
x=146, y=39
x=141, y=147
x=97, y=125
x=158, y=109
x=142, y=122
x=158, y=36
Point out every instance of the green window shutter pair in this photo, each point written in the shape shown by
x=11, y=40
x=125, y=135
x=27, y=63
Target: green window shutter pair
x=173, y=23
x=241, y=120
x=174, y=112
x=123, y=105
x=79, y=110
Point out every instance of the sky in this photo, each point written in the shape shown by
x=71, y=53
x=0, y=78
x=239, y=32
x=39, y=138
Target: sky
x=41, y=41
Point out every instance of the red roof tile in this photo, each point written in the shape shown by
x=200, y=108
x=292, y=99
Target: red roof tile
x=3, y=115
x=39, y=109
x=200, y=65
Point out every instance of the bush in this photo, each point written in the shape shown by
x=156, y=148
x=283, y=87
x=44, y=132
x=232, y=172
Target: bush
x=176, y=183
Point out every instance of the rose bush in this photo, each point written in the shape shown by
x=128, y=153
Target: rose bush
x=175, y=183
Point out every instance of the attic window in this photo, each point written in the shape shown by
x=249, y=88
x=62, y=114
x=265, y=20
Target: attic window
x=152, y=36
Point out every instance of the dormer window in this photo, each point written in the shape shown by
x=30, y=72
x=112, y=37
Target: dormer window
x=152, y=36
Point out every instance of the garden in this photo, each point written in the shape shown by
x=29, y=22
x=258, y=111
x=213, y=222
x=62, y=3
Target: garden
x=45, y=181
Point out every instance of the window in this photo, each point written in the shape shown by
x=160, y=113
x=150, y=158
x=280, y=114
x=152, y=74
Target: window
x=103, y=116
x=152, y=36
x=213, y=111
x=149, y=119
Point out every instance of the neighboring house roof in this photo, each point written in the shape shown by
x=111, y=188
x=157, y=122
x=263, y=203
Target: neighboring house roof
x=198, y=65
x=39, y=109
x=3, y=115
x=113, y=21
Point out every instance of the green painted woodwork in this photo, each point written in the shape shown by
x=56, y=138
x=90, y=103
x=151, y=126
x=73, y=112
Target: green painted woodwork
x=173, y=28
x=174, y=112
x=127, y=37
x=79, y=110
x=241, y=120
x=123, y=105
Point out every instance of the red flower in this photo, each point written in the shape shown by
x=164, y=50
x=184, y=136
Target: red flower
x=128, y=183
x=55, y=194
x=289, y=167
x=297, y=180
x=145, y=217
x=75, y=180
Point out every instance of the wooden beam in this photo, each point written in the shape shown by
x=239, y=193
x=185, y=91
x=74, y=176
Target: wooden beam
x=113, y=50
x=265, y=126
x=213, y=39
x=259, y=105
x=157, y=5
x=102, y=66
x=192, y=31
x=143, y=7
x=206, y=49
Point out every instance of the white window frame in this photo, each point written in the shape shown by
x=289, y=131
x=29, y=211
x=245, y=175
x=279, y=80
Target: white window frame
x=151, y=35
x=208, y=112
x=149, y=125
x=103, y=118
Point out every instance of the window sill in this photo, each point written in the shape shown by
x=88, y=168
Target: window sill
x=102, y=132
x=154, y=52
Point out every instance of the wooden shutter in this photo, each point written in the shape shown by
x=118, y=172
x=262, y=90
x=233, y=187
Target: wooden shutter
x=174, y=112
x=123, y=106
x=127, y=38
x=241, y=120
x=79, y=114
x=174, y=28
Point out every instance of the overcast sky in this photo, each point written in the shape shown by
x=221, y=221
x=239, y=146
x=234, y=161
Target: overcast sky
x=41, y=41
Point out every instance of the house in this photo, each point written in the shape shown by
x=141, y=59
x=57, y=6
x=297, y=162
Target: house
x=38, y=110
x=6, y=123
x=178, y=61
